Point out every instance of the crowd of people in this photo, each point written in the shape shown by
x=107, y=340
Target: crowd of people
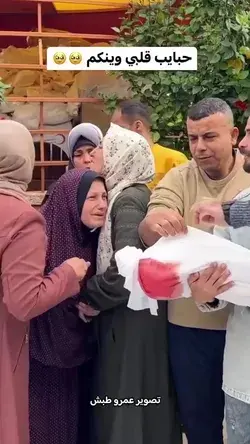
x=77, y=366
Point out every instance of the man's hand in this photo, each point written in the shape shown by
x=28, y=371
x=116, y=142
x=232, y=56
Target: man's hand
x=209, y=213
x=209, y=283
x=161, y=223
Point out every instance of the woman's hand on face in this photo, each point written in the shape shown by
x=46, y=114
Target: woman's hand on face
x=85, y=310
x=209, y=283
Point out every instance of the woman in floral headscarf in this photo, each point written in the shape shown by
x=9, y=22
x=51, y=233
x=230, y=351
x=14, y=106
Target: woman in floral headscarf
x=132, y=361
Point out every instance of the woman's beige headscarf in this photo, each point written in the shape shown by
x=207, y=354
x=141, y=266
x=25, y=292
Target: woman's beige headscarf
x=128, y=160
x=17, y=158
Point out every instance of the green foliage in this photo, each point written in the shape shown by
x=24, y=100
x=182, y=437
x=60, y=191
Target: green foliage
x=219, y=29
x=110, y=102
x=3, y=88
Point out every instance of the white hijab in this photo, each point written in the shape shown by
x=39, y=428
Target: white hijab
x=128, y=160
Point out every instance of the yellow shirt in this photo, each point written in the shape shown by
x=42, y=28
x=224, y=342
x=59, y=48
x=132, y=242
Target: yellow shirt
x=165, y=159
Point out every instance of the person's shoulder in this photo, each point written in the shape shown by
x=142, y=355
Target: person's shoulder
x=188, y=167
x=182, y=170
x=136, y=195
x=14, y=207
x=177, y=156
x=137, y=191
x=16, y=214
x=29, y=215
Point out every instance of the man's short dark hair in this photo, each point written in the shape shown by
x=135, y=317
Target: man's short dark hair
x=207, y=107
x=134, y=110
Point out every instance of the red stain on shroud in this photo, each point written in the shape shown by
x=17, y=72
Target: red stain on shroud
x=160, y=280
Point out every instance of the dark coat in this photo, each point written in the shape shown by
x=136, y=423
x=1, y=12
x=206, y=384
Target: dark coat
x=132, y=360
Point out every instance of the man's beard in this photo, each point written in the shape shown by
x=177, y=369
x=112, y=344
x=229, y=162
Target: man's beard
x=246, y=164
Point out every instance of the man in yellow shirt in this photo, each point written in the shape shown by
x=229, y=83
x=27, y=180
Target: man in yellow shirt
x=135, y=116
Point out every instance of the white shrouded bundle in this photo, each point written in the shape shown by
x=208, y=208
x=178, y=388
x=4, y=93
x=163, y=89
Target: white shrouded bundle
x=161, y=272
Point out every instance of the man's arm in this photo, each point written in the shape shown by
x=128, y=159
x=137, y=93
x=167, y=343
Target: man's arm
x=165, y=210
x=239, y=214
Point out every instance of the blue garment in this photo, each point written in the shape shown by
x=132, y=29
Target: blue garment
x=196, y=358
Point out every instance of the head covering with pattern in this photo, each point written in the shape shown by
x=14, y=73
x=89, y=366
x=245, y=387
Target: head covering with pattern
x=128, y=160
x=17, y=158
x=58, y=337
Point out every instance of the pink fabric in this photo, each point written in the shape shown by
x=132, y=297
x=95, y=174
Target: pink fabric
x=24, y=294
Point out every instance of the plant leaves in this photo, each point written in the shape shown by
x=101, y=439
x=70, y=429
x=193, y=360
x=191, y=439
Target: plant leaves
x=190, y=9
x=211, y=12
x=228, y=54
x=156, y=136
x=117, y=30
x=243, y=75
x=215, y=58
x=243, y=97
x=247, y=112
x=226, y=43
x=220, y=32
x=196, y=89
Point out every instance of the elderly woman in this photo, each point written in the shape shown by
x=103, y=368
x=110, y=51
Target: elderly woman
x=24, y=290
x=82, y=140
x=59, y=341
x=132, y=364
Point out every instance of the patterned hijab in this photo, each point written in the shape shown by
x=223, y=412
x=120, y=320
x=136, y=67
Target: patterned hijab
x=128, y=160
x=58, y=337
x=17, y=158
